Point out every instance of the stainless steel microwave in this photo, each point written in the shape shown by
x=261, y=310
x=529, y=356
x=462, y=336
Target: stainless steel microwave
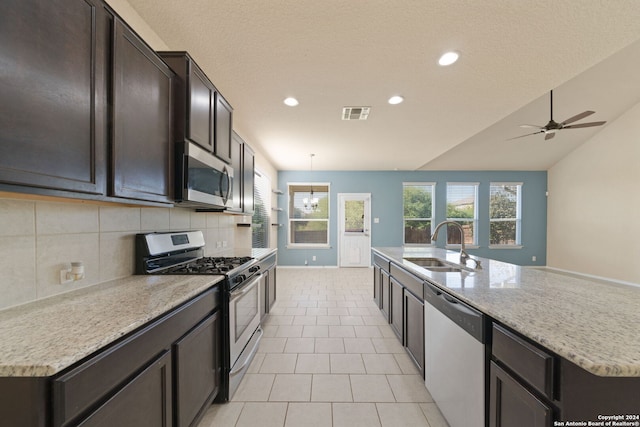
x=202, y=180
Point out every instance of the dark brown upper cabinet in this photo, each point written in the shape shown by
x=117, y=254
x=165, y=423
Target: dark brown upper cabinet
x=223, y=126
x=237, y=145
x=248, y=180
x=90, y=105
x=243, y=163
x=53, y=113
x=201, y=114
x=142, y=149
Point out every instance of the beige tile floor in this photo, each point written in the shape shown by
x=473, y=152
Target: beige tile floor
x=328, y=358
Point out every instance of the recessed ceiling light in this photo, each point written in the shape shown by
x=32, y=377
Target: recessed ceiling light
x=448, y=58
x=396, y=99
x=291, y=102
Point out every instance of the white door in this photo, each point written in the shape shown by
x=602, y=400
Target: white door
x=354, y=226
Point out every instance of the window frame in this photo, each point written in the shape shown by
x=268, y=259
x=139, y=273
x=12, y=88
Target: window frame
x=433, y=210
x=475, y=220
x=518, y=219
x=291, y=221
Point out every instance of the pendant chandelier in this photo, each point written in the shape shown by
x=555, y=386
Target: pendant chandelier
x=311, y=202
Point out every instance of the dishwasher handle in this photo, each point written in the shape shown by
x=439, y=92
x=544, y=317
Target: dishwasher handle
x=468, y=318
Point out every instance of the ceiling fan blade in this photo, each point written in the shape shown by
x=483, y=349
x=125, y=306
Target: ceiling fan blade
x=577, y=117
x=549, y=135
x=532, y=126
x=584, y=125
x=522, y=136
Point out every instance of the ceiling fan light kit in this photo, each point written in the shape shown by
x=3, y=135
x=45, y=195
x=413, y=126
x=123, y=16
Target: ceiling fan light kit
x=552, y=127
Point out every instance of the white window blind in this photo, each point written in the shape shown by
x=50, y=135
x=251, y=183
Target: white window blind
x=260, y=223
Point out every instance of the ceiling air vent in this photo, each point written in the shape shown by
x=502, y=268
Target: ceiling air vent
x=355, y=113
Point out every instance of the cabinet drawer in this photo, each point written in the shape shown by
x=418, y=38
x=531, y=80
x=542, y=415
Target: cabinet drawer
x=381, y=262
x=77, y=390
x=529, y=362
x=413, y=284
x=145, y=401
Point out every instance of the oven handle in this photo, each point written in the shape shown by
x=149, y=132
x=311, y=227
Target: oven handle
x=245, y=288
x=257, y=337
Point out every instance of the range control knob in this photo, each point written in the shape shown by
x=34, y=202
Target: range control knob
x=254, y=268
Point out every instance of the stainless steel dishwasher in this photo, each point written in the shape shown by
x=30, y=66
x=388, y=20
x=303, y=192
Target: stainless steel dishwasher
x=455, y=358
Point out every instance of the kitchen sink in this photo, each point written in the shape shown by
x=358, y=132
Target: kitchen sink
x=437, y=264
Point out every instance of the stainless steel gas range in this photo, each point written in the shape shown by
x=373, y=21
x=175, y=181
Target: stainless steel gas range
x=183, y=253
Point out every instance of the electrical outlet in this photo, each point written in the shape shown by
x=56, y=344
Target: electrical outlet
x=314, y=258
x=376, y=220
x=218, y=244
x=306, y=262
x=533, y=258
x=224, y=243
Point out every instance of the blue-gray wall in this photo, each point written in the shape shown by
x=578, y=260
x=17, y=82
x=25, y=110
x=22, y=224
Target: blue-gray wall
x=386, y=204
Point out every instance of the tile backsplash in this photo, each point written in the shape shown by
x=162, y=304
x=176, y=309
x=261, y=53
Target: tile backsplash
x=40, y=238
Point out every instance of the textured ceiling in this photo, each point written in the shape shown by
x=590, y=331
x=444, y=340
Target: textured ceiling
x=331, y=54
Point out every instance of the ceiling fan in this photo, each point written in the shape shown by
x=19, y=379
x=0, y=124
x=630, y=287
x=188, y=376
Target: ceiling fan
x=552, y=127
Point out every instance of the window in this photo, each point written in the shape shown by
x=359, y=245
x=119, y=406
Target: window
x=260, y=223
x=504, y=213
x=417, y=202
x=354, y=216
x=462, y=208
x=309, y=215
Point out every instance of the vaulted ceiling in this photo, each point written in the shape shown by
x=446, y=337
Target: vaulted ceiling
x=330, y=54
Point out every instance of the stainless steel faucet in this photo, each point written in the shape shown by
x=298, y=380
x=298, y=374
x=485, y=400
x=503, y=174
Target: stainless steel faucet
x=464, y=256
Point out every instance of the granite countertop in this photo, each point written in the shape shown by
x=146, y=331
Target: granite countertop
x=46, y=336
x=591, y=323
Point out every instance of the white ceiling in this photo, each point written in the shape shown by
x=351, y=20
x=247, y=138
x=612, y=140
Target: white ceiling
x=334, y=53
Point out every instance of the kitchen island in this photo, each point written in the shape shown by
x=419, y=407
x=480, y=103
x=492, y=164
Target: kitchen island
x=585, y=330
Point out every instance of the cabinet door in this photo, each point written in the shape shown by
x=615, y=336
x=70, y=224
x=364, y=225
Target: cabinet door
x=223, y=126
x=143, y=401
x=512, y=405
x=264, y=295
x=271, y=285
x=236, y=163
x=397, y=313
x=201, y=99
x=248, y=170
x=53, y=111
x=385, y=294
x=142, y=144
x=377, y=281
x=414, y=329
x=197, y=370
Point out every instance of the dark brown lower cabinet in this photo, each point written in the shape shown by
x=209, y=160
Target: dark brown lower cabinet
x=165, y=373
x=144, y=402
x=377, y=281
x=414, y=328
x=197, y=370
x=396, y=316
x=512, y=405
x=271, y=287
x=385, y=283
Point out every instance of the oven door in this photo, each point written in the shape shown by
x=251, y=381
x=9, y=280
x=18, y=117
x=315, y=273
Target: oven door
x=244, y=316
x=202, y=178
